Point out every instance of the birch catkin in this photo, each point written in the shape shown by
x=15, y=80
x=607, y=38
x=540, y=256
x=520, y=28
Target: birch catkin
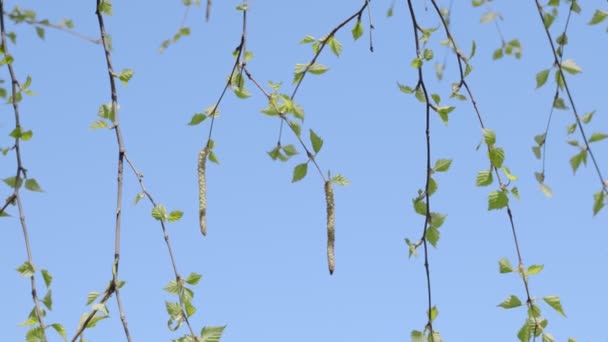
x=202, y=190
x=331, y=227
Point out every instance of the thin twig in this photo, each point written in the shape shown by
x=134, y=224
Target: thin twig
x=463, y=83
x=579, y=123
x=427, y=216
x=58, y=27
x=20, y=175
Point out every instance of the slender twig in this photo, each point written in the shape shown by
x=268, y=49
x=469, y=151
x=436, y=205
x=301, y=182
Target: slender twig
x=556, y=60
x=556, y=94
x=427, y=216
x=120, y=170
x=20, y=175
x=178, y=278
x=60, y=27
x=327, y=37
x=463, y=83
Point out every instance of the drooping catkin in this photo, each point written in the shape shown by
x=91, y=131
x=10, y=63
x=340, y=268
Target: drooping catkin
x=202, y=190
x=331, y=227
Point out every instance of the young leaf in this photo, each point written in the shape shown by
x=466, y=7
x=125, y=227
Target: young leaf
x=442, y=165
x=26, y=269
x=504, y=266
x=484, y=178
x=555, y=303
x=497, y=200
x=541, y=78
x=193, y=278
x=126, y=75
x=197, y=119
x=497, y=156
x=340, y=180
x=159, y=212
x=357, y=30
x=316, y=141
x=535, y=269
x=594, y=137
x=489, y=136
x=212, y=334
x=175, y=215
x=511, y=302
x=299, y=172
x=32, y=185
x=598, y=201
x=571, y=67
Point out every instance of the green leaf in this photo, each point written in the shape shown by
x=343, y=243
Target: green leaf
x=159, y=212
x=442, y=165
x=416, y=63
x=598, y=201
x=340, y=180
x=488, y=17
x=427, y=54
x=497, y=156
x=535, y=269
x=317, y=68
x=405, y=89
x=571, y=67
x=594, y=137
x=432, y=186
x=197, y=119
x=489, y=136
x=48, y=278
x=213, y=157
x=10, y=181
x=511, y=302
x=175, y=215
x=508, y=174
x=193, y=278
x=289, y=150
x=484, y=178
x=443, y=112
x=99, y=124
x=504, y=266
x=497, y=200
x=26, y=269
x=546, y=190
x=308, y=39
x=577, y=159
x=536, y=151
x=35, y=334
x=60, y=330
x=432, y=236
x=335, y=45
x=498, y=53
x=316, y=141
x=357, y=30
x=296, y=128
x=437, y=220
x=587, y=117
x=212, y=334
x=598, y=17
x=555, y=303
x=541, y=78
x=419, y=206
x=126, y=75
x=434, y=313
x=32, y=185
x=418, y=336
x=105, y=7
x=299, y=172
x=47, y=300
x=92, y=296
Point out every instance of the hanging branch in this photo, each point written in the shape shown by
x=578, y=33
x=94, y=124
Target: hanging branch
x=572, y=68
x=18, y=179
x=498, y=199
x=541, y=139
x=104, y=7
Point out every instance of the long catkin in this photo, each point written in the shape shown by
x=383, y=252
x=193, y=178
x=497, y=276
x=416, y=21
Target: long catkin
x=331, y=227
x=202, y=190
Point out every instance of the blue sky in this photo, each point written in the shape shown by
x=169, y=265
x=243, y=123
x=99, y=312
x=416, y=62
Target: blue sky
x=263, y=261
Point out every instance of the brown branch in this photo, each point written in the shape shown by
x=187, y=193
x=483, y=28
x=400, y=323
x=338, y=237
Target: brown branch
x=20, y=173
